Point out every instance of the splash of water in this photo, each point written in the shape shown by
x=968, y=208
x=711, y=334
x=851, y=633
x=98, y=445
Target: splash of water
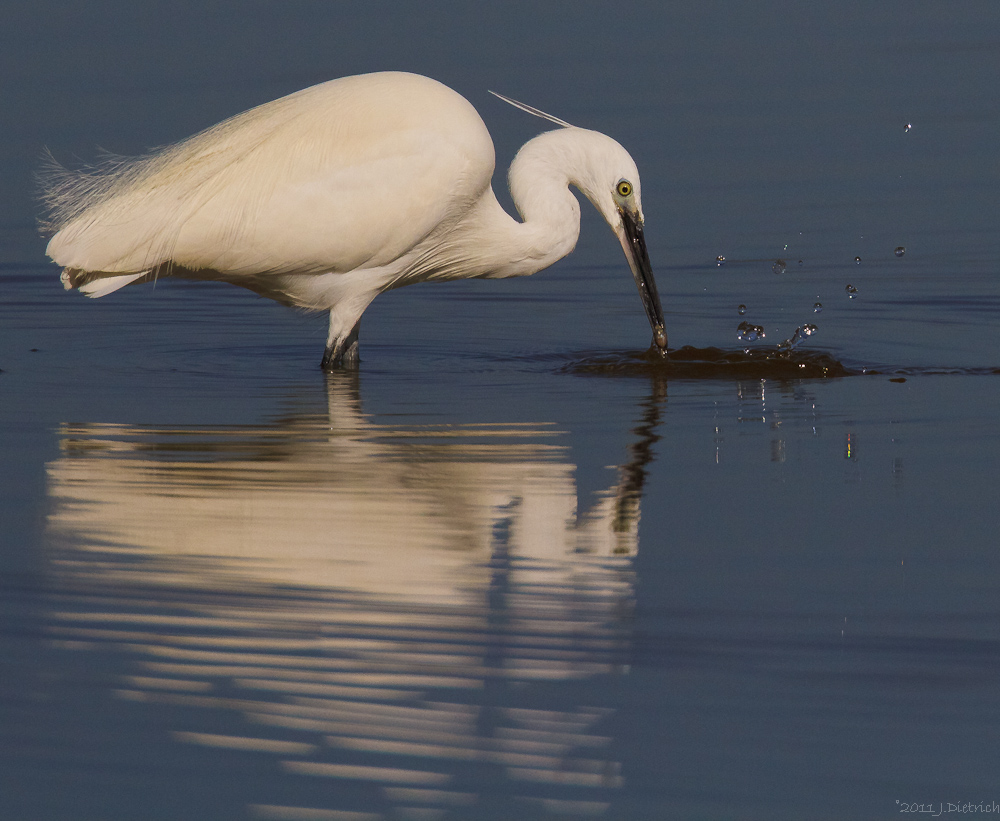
x=748, y=332
x=797, y=338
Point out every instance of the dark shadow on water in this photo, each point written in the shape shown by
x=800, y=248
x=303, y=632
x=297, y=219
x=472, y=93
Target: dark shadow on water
x=712, y=363
x=754, y=363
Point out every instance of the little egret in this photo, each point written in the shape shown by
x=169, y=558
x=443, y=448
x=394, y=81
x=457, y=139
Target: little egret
x=327, y=197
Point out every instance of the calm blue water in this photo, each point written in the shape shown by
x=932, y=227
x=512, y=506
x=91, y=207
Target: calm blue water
x=479, y=580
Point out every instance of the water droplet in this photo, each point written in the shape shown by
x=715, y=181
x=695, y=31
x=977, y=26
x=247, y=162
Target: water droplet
x=851, y=291
x=797, y=338
x=779, y=266
x=817, y=307
x=907, y=127
x=857, y=260
x=741, y=309
x=748, y=332
x=900, y=250
x=720, y=259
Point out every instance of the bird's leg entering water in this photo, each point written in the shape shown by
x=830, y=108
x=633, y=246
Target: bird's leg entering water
x=342, y=352
x=345, y=320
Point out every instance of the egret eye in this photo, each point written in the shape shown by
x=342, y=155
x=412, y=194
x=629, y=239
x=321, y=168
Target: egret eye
x=624, y=188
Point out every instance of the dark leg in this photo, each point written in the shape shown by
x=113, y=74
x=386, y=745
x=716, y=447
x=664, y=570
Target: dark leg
x=343, y=353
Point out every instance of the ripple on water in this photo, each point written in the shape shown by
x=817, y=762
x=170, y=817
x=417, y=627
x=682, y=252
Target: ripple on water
x=713, y=363
x=753, y=363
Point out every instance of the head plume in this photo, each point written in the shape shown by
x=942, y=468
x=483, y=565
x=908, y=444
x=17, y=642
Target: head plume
x=537, y=112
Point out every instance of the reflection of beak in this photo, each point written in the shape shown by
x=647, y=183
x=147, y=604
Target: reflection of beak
x=634, y=244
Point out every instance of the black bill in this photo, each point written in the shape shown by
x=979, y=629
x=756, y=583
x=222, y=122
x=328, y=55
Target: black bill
x=634, y=245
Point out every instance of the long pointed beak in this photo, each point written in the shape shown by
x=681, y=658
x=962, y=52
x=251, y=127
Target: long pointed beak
x=634, y=244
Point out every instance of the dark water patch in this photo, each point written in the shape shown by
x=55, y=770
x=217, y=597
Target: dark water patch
x=713, y=363
x=759, y=363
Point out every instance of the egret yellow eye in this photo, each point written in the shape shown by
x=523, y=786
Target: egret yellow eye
x=624, y=188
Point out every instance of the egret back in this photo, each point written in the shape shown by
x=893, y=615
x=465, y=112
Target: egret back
x=349, y=174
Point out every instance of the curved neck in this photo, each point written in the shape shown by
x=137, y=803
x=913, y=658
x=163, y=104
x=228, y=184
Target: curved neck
x=539, y=184
x=550, y=213
x=488, y=242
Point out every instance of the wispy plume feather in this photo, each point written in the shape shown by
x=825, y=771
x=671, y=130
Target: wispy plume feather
x=537, y=112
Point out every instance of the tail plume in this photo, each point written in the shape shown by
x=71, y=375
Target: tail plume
x=96, y=284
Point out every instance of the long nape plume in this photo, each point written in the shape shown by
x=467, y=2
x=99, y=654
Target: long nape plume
x=532, y=110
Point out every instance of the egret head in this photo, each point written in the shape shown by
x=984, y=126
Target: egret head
x=606, y=174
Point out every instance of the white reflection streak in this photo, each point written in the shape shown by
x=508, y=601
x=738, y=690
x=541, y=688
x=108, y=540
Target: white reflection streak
x=277, y=813
x=402, y=570
x=392, y=775
x=228, y=742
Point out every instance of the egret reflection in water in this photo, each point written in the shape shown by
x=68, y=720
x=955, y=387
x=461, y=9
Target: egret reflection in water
x=388, y=606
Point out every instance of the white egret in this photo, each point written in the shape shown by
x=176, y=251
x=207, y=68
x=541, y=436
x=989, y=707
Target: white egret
x=327, y=197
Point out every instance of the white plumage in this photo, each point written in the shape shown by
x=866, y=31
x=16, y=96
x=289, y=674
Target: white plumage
x=327, y=197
